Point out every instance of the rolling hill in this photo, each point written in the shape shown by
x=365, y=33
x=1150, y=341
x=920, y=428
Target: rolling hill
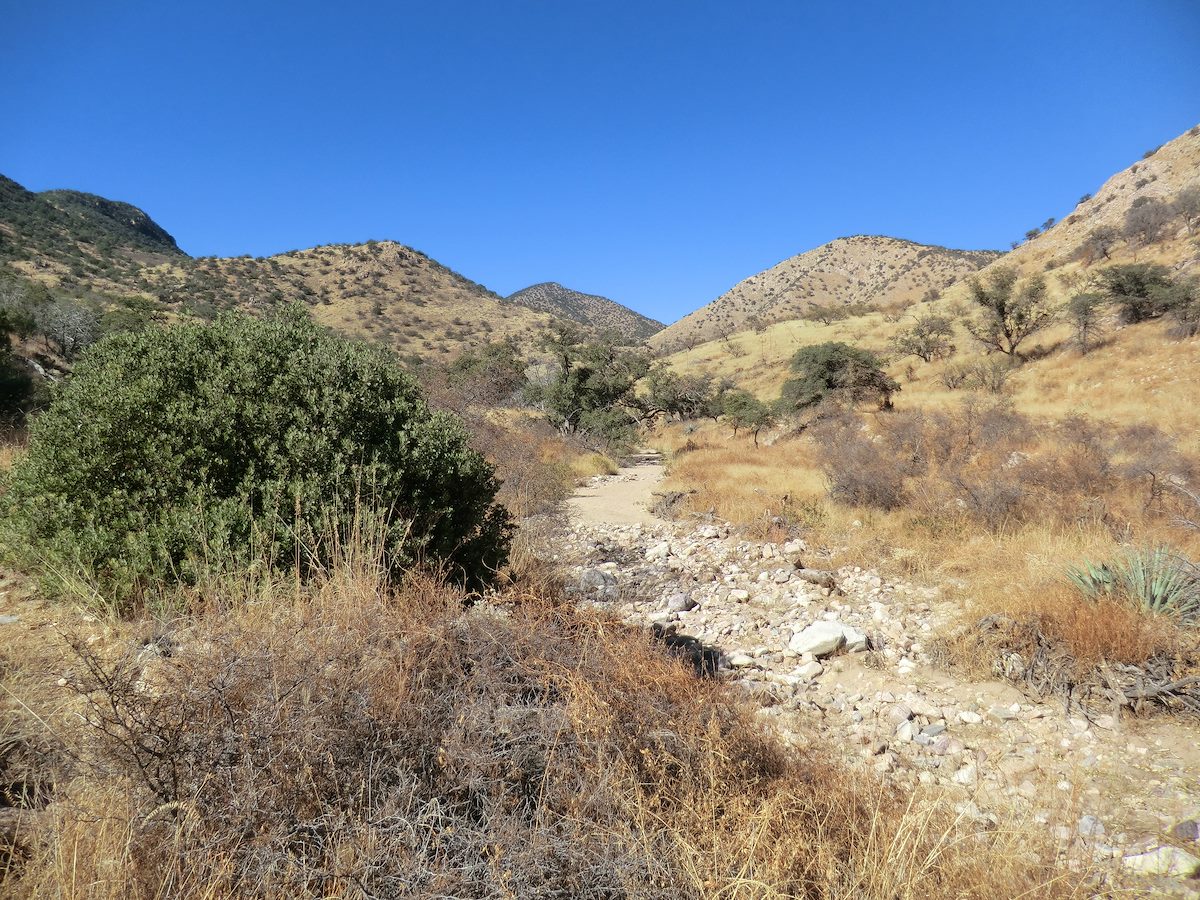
x=883, y=271
x=111, y=253
x=588, y=309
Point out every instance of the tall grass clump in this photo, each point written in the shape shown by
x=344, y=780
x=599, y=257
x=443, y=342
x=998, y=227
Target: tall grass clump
x=234, y=443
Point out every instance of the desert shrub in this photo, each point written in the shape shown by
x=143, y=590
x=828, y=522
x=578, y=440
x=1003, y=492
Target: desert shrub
x=170, y=450
x=491, y=374
x=991, y=373
x=1154, y=580
x=858, y=470
x=954, y=376
x=374, y=744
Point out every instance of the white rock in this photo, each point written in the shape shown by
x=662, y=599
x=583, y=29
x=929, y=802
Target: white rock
x=969, y=718
x=809, y=670
x=1164, y=861
x=856, y=641
x=741, y=660
x=968, y=774
x=659, y=551
x=739, y=596
x=819, y=639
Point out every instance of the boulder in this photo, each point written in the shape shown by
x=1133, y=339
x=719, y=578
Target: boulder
x=1164, y=861
x=819, y=639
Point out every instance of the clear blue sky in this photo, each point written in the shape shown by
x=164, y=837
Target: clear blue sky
x=654, y=152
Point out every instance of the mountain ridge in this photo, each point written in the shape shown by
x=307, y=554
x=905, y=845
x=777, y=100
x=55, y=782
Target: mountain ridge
x=860, y=269
x=591, y=309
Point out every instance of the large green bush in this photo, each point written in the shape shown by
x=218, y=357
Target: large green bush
x=243, y=442
x=834, y=369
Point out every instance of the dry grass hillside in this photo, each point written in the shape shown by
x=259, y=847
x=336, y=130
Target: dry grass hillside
x=110, y=254
x=588, y=309
x=1159, y=176
x=882, y=271
x=380, y=291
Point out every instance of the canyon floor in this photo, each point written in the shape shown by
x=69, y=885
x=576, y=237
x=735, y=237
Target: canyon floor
x=849, y=657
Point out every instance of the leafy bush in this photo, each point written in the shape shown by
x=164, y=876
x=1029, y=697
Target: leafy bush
x=1155, y=580
x=173, y=450
x=1138, y=290
x=834, y=369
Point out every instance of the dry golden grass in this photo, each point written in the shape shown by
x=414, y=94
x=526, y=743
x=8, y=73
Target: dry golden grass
x=353, y=740
x=1074, y=510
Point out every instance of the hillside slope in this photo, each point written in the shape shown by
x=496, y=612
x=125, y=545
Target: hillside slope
x=87, y=247
x=1159, y=176
x=587, y=309
x=78, y=235
x=884, y=271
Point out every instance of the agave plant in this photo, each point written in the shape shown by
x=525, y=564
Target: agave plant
x=1154, y=579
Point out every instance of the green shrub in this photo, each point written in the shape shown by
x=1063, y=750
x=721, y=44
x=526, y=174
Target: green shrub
x=244, y=442
x=836, y=369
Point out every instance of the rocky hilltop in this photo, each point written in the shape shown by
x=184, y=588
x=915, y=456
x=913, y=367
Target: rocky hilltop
x=883, y=271
x=588, y=309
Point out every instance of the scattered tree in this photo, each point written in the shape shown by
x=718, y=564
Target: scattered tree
x=743, y=410
x=836, y=370
x=930, y=338
x=68, y=326
x=1009, y=315
x=589, y=387
x=1187, y=206
x=489, y=374
x=1099, y=243
x=1085, y=312
x=1140, y=291
x=1147, y=220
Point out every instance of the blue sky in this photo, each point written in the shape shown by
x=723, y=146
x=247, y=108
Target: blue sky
x=655, y=152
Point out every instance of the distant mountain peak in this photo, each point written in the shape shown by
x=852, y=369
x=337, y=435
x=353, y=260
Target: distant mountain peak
x=587, y=309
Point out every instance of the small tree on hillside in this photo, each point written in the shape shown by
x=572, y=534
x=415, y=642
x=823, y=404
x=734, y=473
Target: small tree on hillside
x=1009, y=315
x=1139, y=290
x=743, y=410
x=1085, y=312
x=1187, y=206
x=930, y=338
x=834, y=369
x=1146, y=222
x=1099, y=243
